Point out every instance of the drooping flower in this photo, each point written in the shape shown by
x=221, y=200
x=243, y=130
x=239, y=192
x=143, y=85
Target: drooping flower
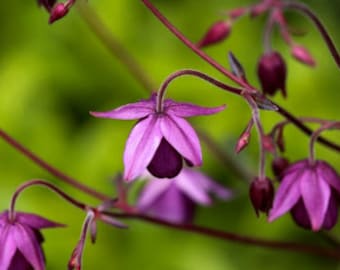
x=261, y=194
x=218, y=32
x=272, y=73
x=175, y=199
x=309, y=190
x=20, y=241
x=161, y=139
x=47, y=4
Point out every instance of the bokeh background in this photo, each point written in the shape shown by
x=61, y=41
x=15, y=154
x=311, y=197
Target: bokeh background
x=52, y=76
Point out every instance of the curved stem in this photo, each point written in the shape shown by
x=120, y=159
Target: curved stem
x=311, y=15
x=229, y=236
x=38, y=182
x=198, y=74
x=193, y=47
x=52, y=170
x=116, y=48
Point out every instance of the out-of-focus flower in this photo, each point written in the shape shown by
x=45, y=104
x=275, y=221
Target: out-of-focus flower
x=160, y=140
x=47, y=4
x=272, y=73
x=58, y=11
x=279, y=165
x=218, y=32
x=175, y=199
x=20, y=241
x=261, y=194
x=308, y=189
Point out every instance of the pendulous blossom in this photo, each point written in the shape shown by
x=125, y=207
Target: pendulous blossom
x=20, y=241
x=175, y=199
x=160, y=140
x=310, y=191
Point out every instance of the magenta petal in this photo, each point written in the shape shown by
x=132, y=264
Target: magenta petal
x=331, y=216
x=141, y=145
x=28, y=246
x=192, y=187
x=286, y=196
x=130, y=111
x=8, y=246
x=35, y=221
x=316, y=194
x=182, y=137
x=189, y=110
x=329, y=175
x=152, y=191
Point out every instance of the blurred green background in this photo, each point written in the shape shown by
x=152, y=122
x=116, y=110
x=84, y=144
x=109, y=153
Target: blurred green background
x=52, y=76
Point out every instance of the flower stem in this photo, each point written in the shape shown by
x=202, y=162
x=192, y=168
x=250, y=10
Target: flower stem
x=52, y=170
x=312, y=16
x=38, y=182
x=229, y=236
x=93, y=21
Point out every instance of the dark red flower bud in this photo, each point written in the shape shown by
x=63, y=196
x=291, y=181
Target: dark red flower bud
x=216, y=33
x=279, y=164
x=47, y=4
x=272, y=73
x=261, y=194
x=58, y=12
x=301, y=54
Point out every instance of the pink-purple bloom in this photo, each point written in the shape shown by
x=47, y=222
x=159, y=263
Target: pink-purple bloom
x=20, y=241
x=160, y=141
x=175, y=199
x=309, y=190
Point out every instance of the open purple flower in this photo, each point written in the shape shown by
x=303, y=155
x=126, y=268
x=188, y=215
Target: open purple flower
x=309, y=190
x=161, y=139
x=175, y=199
x=20, y=241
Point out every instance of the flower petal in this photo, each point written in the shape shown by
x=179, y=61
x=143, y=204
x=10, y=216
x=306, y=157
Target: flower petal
x=35, y=221
x=130, y=111
x=189, y=110
x=141, y=145
x=8, y=246
x=182, y=137
x=153, y=189
x=316, y=194
x=328, y=174
x=286, y=196
x=28, y=245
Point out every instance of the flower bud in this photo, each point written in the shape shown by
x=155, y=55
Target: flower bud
x=216, y=33
x=261, y=194
x=272, y=73
x=58, y=12
x=301, y=54
x=47, y=4
x=242, y=142
x=279, y=164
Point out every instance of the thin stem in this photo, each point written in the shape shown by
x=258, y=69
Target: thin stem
x=312, y=16
x=315, y=135
x=52, y=170
x=193, y=47
x=190, y=72
x=229, y=236
x=38, y=182
x=115, y=47
x=268, y=30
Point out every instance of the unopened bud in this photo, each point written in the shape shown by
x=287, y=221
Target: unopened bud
x=301, y=54
x=258, y=9
x=279, y=165
x=47, y=4
x=235, y=13
x=58, y=12
x=268, y=143
x=261, y=194
x=216, y=33
x=272, y=73
x=242, y=142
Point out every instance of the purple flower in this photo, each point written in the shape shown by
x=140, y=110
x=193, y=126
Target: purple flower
x=20, y=241
x=160, y=140
x=175, y=200
x=261, y=194
x=47, y=4
x=309, y=191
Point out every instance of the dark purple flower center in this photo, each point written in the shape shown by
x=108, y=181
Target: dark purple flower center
x=167, y=162
x=19, y=262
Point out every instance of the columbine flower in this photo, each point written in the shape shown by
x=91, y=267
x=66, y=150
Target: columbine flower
x=175, y=199
x=308, y=190
x=20, y=241
x=160, y=140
